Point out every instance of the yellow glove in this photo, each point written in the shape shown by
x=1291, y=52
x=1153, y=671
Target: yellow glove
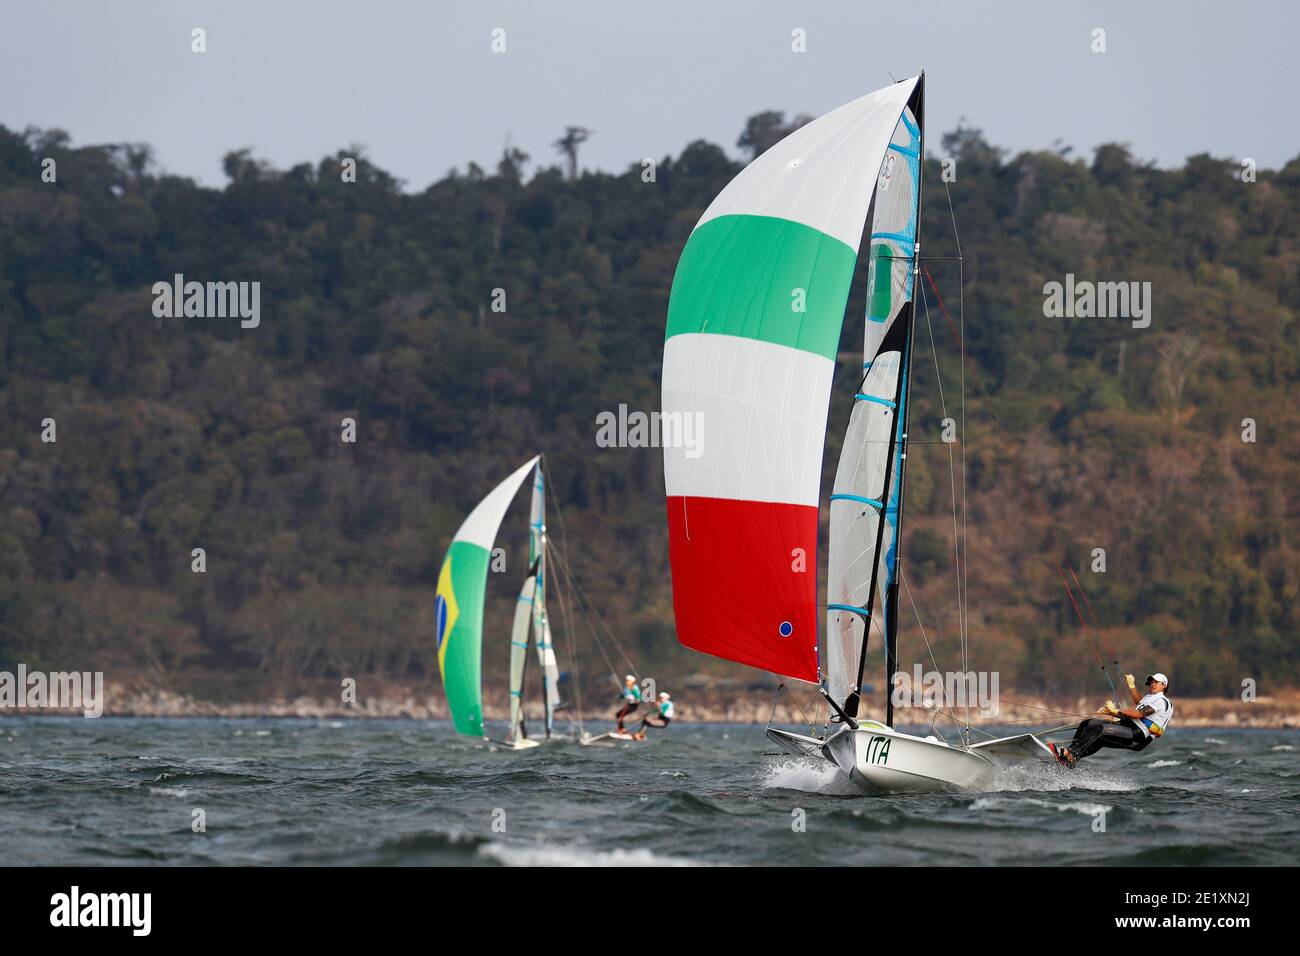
x=1132, y=684
x=1110, y=708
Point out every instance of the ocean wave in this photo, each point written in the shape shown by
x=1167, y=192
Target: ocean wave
x=550, y=855
x=1078, y=806
x=1164, y=763
x=169, y=791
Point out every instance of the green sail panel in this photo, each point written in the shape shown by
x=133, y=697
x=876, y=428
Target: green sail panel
x=758, y=277
x=458, y=609
x=751, y=338
x=458, y=604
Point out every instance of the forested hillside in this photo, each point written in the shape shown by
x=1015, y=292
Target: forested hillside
x=377, y=304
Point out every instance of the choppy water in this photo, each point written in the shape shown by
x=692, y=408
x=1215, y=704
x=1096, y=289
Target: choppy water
x=114, y=791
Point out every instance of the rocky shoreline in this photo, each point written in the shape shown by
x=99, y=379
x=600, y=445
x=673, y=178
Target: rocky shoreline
x=703, y=706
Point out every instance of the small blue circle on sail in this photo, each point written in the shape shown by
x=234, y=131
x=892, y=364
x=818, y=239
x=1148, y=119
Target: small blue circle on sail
x=786, y=628
x=439, y=619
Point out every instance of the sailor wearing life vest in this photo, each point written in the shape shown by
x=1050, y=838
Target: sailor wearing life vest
x=1132, y=728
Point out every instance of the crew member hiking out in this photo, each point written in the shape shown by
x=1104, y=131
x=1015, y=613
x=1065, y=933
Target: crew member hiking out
x=1132, y=728
x=631, y=700
x=662, y=718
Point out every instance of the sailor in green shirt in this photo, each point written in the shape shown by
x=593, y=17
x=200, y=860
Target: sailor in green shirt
x=631, y=700
x=661, y=718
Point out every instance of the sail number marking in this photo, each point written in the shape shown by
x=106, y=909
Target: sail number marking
x=878, y=750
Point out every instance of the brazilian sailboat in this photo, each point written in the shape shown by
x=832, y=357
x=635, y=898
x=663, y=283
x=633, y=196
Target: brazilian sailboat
x=458, y=614
x=753, y=332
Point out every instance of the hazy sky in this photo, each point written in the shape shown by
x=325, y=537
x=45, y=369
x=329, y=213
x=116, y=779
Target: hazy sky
x=418, y=85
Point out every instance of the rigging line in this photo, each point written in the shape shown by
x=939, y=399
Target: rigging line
x=802, y=713
x=591, y=607
x=577, y=586
x=939, y=710
x=953, y=215
x=998, y=429
x=952, y=474
x=964, y=607
x=1088, y=632
x=965, y=536
x=1087, y=603
x=1106, y=645
x=565, y=578
x=917, y=612
x=583, y=602
x=570, y=631
x=1049, y=710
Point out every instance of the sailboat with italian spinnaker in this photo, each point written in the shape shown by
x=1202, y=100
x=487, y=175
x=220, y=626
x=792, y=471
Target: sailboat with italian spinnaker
x=753, y=330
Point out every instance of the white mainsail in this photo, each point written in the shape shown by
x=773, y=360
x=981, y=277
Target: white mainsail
x=537, y=544
x=866, y=500
x=519, y=655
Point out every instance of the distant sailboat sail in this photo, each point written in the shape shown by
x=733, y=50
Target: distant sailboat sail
x=458, y=606
x=519, y=653
x=541, y=622
x=753, y=329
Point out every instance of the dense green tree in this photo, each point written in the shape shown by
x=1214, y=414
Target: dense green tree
x=378, y=305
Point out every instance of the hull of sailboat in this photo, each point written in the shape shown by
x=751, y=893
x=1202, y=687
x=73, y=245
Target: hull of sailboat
x=878, y=759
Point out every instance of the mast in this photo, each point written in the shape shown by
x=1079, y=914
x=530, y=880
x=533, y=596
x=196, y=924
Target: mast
x=537, y=549
x=875, y=500
x=905, y=406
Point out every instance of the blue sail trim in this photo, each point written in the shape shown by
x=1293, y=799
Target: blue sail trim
x=866, y=501
x=897, y=237
x=911, y=127
x=849, y=607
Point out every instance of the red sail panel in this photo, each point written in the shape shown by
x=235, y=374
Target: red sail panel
x=745, y=581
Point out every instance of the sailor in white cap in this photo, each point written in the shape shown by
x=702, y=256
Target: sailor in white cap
x=664, y=715
x=631, y=701
x=1131, y=728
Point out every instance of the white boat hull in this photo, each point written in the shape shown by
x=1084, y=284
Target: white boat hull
x=879, y=759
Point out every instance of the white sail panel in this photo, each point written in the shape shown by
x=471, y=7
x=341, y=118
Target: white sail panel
x=759, y=414
x=550, y=671
x=519, y=654
x=856, y=506
x=753, y=328
x=803, y=177
x=480, y=528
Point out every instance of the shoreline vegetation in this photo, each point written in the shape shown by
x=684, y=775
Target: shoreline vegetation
x=717, y=705
x=250, y=514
